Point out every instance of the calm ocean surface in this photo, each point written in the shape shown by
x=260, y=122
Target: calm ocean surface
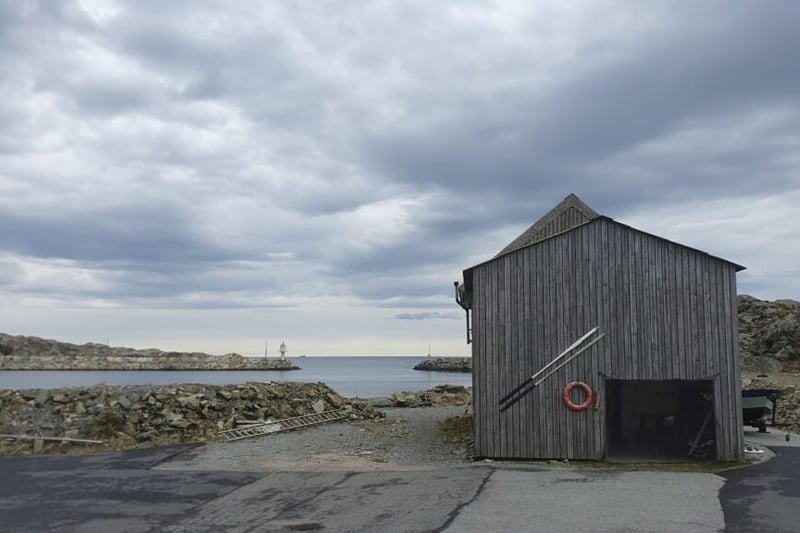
x=349, y=376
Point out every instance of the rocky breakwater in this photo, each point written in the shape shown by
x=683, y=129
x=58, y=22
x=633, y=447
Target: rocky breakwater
x=141, y=416
x=33, y=353
x=453, y=364
x=769, y=334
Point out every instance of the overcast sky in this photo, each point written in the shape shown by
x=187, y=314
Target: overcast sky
x=208, y=175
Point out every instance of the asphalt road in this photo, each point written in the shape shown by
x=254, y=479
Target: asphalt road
x=104, y=493
x=124, y=492
x=765, y=497
x=594, y=502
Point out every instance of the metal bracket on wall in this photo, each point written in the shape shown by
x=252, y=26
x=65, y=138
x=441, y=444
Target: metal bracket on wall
x=464, y=299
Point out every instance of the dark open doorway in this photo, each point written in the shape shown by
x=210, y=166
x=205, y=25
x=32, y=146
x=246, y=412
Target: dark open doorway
x=660, y=419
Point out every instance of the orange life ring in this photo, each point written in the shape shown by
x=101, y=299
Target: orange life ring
x=587, y=390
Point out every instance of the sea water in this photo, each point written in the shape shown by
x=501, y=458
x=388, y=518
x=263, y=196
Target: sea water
x=349, y=376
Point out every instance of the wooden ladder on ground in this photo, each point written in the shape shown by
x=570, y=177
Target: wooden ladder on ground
x=265, y=428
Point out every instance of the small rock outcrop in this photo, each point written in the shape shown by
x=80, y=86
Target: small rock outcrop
x=134, y=416
x=439, y=395
x=34, y=353
x=453, y=364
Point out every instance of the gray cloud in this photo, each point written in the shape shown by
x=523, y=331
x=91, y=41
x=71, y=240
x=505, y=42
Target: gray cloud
x=190, y=155
x=532, y=143
x=427, y=316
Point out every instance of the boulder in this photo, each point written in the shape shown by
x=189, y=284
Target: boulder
x=124, y=402
x=334, y=399
x=318, y=406
x=41, y=398
x=400, y=399
x=178, y=421
x=225, y=394
x=381, y=401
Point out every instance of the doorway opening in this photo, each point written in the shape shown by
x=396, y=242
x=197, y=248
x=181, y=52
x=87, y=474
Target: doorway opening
x=660, y=419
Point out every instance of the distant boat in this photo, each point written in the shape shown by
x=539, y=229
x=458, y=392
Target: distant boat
x=303, y=355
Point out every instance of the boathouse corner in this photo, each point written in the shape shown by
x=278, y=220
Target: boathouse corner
x=632, y=339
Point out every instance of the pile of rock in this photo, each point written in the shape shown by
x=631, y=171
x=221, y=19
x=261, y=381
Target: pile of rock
x=787, y=415
x=769, y=333
x=131, y=415
x=33, y=353
x=439, y=395
x=452, y=364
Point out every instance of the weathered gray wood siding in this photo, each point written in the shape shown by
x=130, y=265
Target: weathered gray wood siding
x=669, y=313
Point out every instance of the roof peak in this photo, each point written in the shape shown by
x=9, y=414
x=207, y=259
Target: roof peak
x=572, y=200
x=567, y=214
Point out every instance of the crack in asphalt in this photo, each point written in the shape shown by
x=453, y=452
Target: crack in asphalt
x=452, y=515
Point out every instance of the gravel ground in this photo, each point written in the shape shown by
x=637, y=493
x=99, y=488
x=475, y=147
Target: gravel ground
x=406, y=439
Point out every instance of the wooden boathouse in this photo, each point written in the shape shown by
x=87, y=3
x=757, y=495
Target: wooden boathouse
x=656, y=320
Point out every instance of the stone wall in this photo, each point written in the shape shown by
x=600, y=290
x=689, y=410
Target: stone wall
x=146, y=415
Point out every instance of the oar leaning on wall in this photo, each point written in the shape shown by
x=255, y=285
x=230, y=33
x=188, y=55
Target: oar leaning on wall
x=564, y=358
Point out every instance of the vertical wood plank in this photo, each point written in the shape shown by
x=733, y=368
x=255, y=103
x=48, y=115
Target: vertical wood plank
x=669, y=313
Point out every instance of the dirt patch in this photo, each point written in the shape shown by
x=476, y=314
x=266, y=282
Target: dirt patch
x=406, y=439
x=456, y=429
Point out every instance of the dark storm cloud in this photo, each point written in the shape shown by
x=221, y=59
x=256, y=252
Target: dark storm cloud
x=140, y=233
x=534, y=144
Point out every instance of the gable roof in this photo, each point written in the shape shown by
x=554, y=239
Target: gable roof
x=570, y=213
x=567, y=216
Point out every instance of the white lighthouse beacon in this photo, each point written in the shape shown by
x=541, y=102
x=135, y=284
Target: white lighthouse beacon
x=283, y=351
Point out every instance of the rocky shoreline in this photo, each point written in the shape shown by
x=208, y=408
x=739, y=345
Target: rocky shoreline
x=140, y=416
x=455, y=364
x=34, y=353
x=124, y=417
x=166, y=362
